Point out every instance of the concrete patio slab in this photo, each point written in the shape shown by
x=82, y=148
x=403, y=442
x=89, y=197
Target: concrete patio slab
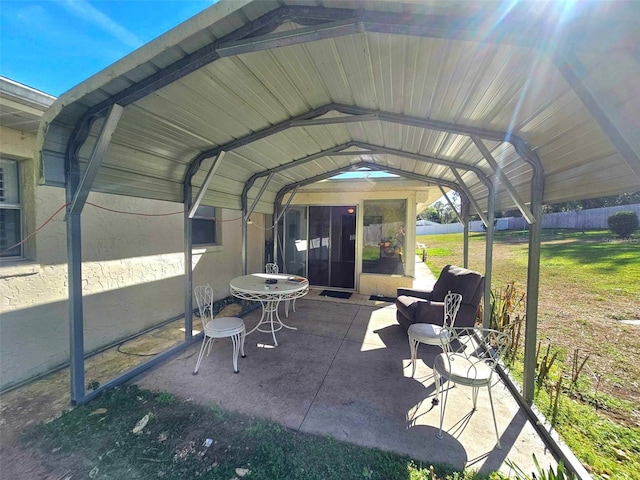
x=345, y=372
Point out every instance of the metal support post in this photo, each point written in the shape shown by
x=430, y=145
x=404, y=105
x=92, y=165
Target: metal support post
x=486, y=319
x=533, y=286
x=465, y=238
x=74, y=268
x=188, y=268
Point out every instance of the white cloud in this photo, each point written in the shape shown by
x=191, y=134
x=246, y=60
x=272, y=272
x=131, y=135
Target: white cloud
x=84, y=10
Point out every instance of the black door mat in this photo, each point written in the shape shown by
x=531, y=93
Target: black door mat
x=334, y=294
x=382, y=298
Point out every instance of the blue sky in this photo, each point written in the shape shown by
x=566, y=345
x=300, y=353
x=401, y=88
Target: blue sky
x=53, y=45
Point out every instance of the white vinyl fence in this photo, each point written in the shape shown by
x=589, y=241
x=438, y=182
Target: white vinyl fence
x=595, y=218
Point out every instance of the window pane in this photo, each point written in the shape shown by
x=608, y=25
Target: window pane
x=9, y=191
x=10, y=232
x=204, y=231
x=384, y=237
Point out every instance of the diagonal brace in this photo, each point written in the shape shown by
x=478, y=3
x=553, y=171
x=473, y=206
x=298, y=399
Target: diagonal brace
x=96, y=158
x=257, y=199
x=526, y=213
x=453, y=207
x=203, y=189
x=473, y=201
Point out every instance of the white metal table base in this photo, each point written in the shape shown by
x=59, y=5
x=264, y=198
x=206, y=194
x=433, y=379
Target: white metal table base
x=271, y=317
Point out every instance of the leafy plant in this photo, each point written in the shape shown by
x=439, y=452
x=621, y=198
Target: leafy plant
x=544, y=366
x=560, y=473
x=623, y=224
x=507, y=314
x=506, y=305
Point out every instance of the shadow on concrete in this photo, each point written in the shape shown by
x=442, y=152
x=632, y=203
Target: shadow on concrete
x=346, y=372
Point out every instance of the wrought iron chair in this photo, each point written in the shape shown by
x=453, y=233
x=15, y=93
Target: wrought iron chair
x=273, y=268
x=219, y=327
x=469, y=358
x=431, y=334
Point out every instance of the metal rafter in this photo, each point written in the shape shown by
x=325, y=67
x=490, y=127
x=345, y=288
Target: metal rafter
x=370, y=149
x=369, y=165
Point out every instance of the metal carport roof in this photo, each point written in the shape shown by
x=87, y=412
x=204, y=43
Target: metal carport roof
x=537, y=100
x=272, y=83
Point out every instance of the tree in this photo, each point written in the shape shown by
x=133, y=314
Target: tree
x=429, y=213
x=611, y=201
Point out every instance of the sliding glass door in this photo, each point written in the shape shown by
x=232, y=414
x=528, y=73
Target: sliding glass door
x=319, y=243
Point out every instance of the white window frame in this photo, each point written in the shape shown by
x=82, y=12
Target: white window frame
x=5, y=206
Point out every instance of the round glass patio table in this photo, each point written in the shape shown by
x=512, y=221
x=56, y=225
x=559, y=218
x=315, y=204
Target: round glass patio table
x=255, y=288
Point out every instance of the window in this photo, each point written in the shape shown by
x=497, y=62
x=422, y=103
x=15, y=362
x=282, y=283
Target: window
x=10, y=209
x=383, y=236
x=206, y=230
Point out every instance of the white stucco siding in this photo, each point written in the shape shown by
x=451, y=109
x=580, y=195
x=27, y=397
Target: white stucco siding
x=133, y=277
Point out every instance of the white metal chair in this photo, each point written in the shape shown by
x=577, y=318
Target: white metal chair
x=273, y=268
x=219, y=327
x=431, y=334
x=470, y=358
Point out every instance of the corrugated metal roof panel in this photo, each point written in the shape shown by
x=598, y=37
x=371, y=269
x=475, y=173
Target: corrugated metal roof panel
x=573, y=115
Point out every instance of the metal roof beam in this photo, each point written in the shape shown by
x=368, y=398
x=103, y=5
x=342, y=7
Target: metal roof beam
x=373, y=166
x=526, y=213
x=301, y=161
x=96, y=158
x=370, y=165
x=363, y=114
x=358, y=114
x=322, y=23
x=289, y=37
x=370, y=150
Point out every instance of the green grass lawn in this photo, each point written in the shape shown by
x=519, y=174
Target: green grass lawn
x=589, y=283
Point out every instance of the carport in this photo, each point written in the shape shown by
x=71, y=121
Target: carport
x=510, y=104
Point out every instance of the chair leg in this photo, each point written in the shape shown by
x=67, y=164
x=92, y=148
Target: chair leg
x=413, y=347
x=495, y=424
x=201, y=354
x=242, y=336
x=474, y=396
x=236, y=347
x=211, y=340
x=444, y=394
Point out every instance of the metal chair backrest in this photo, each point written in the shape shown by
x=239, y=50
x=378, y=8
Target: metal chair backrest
x=271, y=268
x=452, y=303
x=204, y=299
x=481, y=347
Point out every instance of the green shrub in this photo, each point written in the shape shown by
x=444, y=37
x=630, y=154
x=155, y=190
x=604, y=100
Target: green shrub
x=623, y=224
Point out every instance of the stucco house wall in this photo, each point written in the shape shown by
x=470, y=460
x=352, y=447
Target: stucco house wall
x=133, y=270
